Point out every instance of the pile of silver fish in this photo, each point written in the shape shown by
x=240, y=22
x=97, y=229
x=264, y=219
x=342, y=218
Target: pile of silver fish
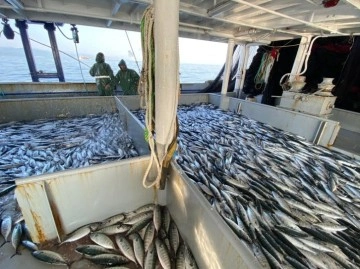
x=295, y=205
x=144, y=238
x=46, y=146
x=50, y=145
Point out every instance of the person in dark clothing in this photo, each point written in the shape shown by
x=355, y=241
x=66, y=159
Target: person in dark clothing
x=127, y=79
x=104, y=75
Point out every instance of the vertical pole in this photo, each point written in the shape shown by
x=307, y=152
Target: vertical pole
x=300, y=57
x=50, y=27
x=246, y=59
x=247, y=48
x=228, y=66
x=240, y=69
x=22, y=25
x=167, y=87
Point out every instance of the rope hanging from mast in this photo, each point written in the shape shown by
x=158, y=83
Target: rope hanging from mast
x=146, y=91
x=147, y=85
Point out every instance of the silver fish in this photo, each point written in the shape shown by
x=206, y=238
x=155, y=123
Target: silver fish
x=174, y=236
x=92, y=250
x=163, y=254
x=102, y=240
x=77, y=234
x=138, y=246
x=6, y=226
x=125, y=247
x=157, y=217
x=50, y=257
x=108, y=259
x=16, y=236
x=150, y=258
x=149, y=236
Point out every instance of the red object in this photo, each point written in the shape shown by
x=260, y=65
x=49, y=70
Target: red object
x=330, y=3
x=274, y=53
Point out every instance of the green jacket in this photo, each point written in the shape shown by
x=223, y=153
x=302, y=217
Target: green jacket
x=105, y=86
x=128, y=81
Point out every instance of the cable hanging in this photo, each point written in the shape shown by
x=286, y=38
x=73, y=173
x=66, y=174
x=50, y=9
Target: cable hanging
x=132, y=50
x=75, y=38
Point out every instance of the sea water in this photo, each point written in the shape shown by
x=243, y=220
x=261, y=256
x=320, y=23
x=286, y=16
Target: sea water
x=14, y=67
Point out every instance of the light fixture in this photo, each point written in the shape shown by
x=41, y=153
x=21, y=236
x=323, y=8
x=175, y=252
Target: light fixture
x=75, y=34
x=8, y=32
x=220, y=8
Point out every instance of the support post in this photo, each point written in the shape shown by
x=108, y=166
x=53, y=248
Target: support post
x=240, y=69
x=167, y=88
x=50, y=27
x=22, y=25
x=224, y=102
x=300, y=57
x=246, y=60
x=228, y=66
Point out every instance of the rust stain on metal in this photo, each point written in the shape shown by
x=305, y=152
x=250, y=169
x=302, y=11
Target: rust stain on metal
x=24, y=189
x=38, y=227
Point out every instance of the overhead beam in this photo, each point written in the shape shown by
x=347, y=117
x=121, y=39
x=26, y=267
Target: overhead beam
x=313, y=25
x=2, y=15
x=17, y=6
x=114, y=11
x=355, y=3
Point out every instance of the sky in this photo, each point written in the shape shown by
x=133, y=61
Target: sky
x=115, y=44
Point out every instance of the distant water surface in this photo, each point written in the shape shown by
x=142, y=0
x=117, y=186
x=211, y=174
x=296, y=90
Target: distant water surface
x=14, y=67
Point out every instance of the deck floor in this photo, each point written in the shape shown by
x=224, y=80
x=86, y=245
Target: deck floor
x=26, y=260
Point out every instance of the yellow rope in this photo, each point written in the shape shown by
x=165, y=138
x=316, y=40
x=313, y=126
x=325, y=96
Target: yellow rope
x=146, y=89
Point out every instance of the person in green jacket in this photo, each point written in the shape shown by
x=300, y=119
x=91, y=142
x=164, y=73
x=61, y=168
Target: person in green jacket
x=105, y=81
x=127, y=79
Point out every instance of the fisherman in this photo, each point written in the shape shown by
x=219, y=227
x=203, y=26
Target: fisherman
x=127, y=79
x=105, y=81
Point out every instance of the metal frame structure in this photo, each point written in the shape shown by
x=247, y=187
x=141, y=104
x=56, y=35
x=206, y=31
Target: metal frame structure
x=215, y=20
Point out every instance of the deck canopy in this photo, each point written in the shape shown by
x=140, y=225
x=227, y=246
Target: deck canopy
x=214, y=20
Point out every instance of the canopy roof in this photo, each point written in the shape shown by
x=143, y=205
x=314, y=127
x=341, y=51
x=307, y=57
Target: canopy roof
x=215, y=20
